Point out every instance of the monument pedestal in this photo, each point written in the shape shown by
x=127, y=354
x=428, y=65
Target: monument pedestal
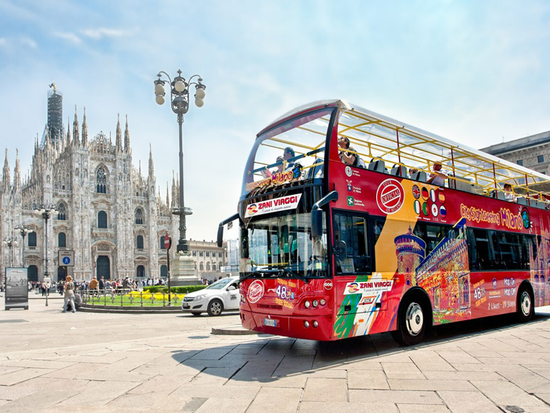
x=182, y=271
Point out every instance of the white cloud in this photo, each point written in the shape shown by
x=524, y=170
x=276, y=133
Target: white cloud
x=71, y=37
x=102, y=32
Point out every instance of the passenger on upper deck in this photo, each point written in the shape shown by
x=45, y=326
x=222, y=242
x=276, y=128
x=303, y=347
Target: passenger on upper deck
x=348, y=155
x=295, y=167
x=508, y=194
x=288, y=154
x=268, y=174
x=437, y=177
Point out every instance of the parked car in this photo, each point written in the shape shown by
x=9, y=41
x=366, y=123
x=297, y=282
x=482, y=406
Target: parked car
x=218, y=297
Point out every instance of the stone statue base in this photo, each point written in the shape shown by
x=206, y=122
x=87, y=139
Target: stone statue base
x=182, y=271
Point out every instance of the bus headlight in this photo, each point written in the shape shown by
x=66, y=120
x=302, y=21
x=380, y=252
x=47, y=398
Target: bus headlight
x=307, y=304
x=315, y=323
x=323, y=301
x=315, y=303
x=306, y=324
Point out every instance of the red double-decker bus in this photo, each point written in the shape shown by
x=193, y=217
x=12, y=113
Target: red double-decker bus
x=352, y=223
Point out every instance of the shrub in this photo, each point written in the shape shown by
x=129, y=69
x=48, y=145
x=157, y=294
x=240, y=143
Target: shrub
x=184, y=289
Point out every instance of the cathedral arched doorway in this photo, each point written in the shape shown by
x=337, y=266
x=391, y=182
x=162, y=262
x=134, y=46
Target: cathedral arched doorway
x=32, y=273
x=140, y=271
x=103, y=267
x=61, y=273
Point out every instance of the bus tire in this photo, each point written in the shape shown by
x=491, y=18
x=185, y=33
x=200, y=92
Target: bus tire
x=525, y=304
x=215, y=307
x=412, y=320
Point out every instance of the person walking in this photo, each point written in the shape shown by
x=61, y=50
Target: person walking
x=94, y=286
x=69, y=294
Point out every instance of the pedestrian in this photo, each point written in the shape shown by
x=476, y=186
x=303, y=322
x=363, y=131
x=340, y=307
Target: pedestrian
x=102, y=283
x=69, y=294
x=94, y=286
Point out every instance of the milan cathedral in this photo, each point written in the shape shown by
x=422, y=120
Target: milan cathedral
x=111, y=216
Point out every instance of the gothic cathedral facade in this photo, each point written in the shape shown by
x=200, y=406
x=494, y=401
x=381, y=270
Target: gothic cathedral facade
x=107, y=213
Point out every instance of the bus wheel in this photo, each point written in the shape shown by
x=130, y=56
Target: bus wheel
x=525, y=305
x=411, y=322
x=215, y=307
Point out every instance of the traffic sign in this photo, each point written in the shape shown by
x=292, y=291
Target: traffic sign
x=167, y=242
x=66, y=258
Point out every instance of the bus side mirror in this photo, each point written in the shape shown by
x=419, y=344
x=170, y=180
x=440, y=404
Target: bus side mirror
x=220, y=228
x=317, y=214
x=316, y=223
x=220, y=236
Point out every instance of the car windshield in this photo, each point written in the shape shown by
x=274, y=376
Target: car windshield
x=218, y=285
x=281, y=246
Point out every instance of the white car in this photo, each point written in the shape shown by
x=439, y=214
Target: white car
x=214, y=299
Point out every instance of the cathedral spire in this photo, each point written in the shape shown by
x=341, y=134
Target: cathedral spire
x=84, y=130
x=68, y=131
x=167, y=195
x=76, y=134
x=118, y=135
x=6, y=174
x=17, y=172
x=151, y=165
x=174, y=190
x=127, y=138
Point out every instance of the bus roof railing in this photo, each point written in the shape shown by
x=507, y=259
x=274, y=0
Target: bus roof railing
x=377, y=136
x=374, y=136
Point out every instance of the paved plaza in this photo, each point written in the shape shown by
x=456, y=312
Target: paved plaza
x=105, y=362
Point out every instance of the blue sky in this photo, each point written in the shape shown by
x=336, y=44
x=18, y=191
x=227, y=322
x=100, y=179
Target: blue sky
x=474, y=71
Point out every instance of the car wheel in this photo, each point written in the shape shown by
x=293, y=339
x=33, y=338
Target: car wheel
x=196, y=314
x=525, y=305
x=215, y=307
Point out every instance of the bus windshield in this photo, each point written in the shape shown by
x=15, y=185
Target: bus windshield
x=282, y=246
x=292, y=152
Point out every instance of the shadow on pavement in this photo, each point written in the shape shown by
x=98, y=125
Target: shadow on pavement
x=269, y=358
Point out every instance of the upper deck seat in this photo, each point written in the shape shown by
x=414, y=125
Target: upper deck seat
x=377, y=165
x=316, y=170
x=461, y=183
x=398, y=170
x=419, y=176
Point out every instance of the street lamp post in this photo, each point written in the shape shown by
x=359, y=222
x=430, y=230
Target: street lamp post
x=10, y=243
x=23, y=230
x=179, y=97
x=46, y=213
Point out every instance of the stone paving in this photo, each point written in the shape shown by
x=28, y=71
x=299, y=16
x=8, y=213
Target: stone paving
x=54, y=362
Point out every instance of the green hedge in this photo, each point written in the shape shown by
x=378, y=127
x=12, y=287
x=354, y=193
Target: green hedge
x=184, y=289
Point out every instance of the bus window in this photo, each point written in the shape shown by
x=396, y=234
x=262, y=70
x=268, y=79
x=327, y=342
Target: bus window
x=350, y=244
x=479, y=249
x=431, y=234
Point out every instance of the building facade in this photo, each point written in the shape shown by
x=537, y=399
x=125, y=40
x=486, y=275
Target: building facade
x=532, y=152
x=108, y=213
